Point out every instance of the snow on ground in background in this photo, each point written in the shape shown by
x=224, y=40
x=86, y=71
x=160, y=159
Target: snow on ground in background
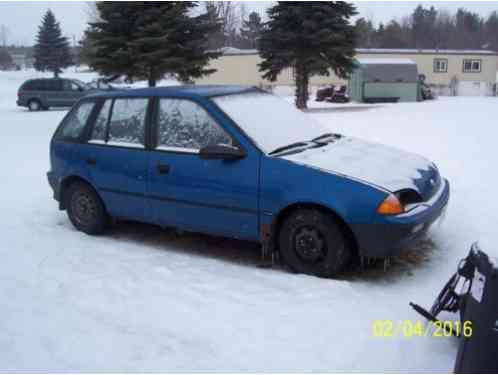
x=141, y=299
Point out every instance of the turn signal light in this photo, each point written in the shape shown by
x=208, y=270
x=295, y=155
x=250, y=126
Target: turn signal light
x=390, y=206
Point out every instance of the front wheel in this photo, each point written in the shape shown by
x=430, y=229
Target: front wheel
x=85, y=209
x=312, y=242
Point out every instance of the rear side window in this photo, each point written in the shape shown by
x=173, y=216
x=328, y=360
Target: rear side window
x=121, y=123
x=76, y=121
x=30, y=86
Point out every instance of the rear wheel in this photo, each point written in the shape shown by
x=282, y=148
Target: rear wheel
x=85, y=209
x=312, y=242
x=34, y=105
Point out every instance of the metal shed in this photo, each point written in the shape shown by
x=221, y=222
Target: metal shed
x=384, y=80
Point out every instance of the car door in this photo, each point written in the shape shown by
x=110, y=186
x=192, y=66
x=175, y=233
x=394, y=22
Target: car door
x=117, y=159
x=52, y=89
x=213, y=196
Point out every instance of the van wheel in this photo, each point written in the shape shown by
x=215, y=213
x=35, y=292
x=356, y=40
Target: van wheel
x=85, y=208
x=34, y=105
x=313, y=243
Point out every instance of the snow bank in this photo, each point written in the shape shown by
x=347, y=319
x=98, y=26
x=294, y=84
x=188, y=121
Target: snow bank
x=142, y=299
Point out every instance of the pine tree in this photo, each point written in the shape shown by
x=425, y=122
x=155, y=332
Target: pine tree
x=52, y=52
x=310, y=37
x=5, y=59
x=150, y=39
x=251, y=29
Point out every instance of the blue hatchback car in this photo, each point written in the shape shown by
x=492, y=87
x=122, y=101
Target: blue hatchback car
x=242, y=163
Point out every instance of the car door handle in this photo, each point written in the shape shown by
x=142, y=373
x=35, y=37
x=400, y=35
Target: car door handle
x=162, y=169
x=91, y=161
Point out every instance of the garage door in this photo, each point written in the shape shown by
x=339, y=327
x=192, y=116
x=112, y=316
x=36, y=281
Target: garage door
x=474, y=88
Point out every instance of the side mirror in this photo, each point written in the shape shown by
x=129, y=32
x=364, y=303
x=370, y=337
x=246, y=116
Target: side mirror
x=221, y=152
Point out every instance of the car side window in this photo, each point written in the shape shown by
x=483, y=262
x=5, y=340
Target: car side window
x=100, y=126
x=29, y=86
x=185, y=126
x=127, y=124
x=76, y=121
x=52, y=85
x=68, y=85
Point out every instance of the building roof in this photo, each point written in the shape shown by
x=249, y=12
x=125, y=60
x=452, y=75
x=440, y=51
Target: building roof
x=381, y=61
x=206, y=91
x=426, y=51
x=230, y=51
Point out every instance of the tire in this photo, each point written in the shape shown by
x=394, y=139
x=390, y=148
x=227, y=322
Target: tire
x=313, y=243
x=85, y=209
x=34, y=105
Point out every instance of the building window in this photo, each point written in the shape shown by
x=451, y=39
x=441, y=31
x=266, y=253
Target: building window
x=471, y=66
x=440, y=65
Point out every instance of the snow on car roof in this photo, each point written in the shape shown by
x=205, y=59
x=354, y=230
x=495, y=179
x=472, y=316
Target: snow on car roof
x=380, y=61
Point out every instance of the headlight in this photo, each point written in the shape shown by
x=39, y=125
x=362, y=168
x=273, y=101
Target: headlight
x=390, y=206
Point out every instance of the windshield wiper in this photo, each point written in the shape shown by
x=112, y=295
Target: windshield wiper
x=288, y=147
x=325, y=136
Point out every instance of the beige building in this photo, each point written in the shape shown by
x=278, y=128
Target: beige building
x=450, y=72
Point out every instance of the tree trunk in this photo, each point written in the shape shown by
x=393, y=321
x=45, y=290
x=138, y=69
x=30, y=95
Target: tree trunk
x=152, y=78
x=302, y=83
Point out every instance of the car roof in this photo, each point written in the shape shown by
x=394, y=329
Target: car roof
x=206, y=91
x=48, y=79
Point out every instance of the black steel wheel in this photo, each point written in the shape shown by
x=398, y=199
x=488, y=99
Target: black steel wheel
x=312, y=242
x=85, y=209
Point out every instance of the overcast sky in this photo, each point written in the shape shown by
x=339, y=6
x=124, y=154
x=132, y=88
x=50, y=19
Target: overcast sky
x=22, y=18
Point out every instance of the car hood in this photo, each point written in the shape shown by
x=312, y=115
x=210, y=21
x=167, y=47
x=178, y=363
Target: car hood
x=373, y=163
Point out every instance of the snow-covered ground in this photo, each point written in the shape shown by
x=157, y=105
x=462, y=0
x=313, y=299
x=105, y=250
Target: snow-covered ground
x=143, y=299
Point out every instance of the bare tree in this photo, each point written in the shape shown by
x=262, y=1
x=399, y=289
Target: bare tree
x=230, y=14
x=4, y=34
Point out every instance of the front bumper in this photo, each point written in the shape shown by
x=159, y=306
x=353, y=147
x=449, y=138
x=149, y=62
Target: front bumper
x=389, y=237
x=54, y=184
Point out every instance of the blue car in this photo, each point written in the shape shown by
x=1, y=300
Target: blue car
x=242, y=163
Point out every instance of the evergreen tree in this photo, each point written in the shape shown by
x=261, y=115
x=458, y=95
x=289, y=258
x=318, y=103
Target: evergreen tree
x=52, y=52
x=5, y=59
x=149, y=40
x=393, y=36
x=311, y=38
x=251, y=29
x=423, y=27
x=491, y=31
x=365, y=33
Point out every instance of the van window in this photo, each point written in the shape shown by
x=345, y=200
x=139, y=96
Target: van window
x=185, y=126
x=76, y=121
x=50, y=85
x=127, y=124
x=68, y=85
x=30, y=85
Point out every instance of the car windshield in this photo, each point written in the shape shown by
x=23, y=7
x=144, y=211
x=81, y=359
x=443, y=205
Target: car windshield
x=270, y=121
